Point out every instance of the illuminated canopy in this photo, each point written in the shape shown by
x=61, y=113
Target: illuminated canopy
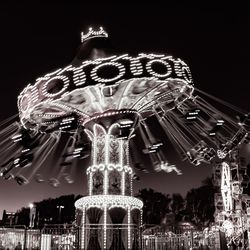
x=109, y=201
x=116, y=82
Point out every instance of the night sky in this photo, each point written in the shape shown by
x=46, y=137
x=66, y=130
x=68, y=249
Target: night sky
x=38, y=37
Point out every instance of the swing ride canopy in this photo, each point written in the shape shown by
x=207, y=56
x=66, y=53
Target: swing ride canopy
x=99, y=84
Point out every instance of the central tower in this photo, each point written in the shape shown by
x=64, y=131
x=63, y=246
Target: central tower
x=111, y=216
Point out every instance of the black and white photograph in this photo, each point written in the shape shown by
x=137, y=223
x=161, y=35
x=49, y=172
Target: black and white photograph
x=124, y=126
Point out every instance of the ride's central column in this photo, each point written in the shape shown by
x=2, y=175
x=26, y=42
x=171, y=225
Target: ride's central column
x=111, y=215
x=110, y=173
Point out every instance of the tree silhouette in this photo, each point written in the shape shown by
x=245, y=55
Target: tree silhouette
x=197, y=207
x=200, y=203
x=23, y=216
x=177, y=207
x=47, y=211
x=156, y=205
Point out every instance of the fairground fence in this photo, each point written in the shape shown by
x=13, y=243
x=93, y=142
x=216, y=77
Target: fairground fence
x=68, y=237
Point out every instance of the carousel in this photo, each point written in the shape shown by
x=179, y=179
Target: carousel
x=97, y=107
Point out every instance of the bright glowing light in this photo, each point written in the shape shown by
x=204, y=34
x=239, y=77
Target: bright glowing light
x=129, y=228
x=226, y=187
x=109, y=200
x=65, y=81
x=105, y=227
x=90, y=183
x=43, y=92
x=119, y=66
x=83, y=228
x=152, y=72
x=123, y=183
x=222, y=153
x=93, y=33
x=228, y=228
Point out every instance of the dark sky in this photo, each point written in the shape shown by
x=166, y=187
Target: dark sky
x=40, y=36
